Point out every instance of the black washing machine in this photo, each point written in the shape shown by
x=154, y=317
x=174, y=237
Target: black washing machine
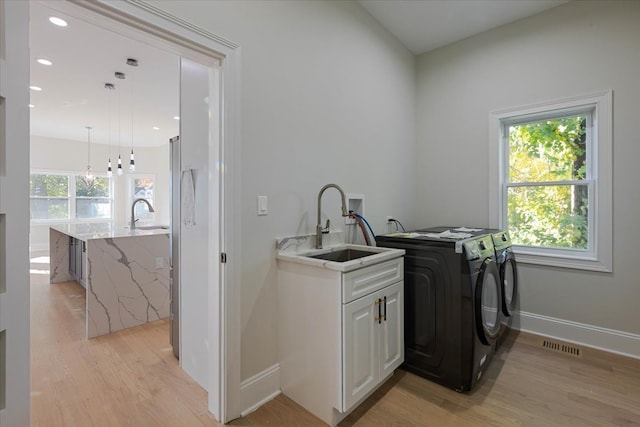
x=507, y=266
x=452, y=305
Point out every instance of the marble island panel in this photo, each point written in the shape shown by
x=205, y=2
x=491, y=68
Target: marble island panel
x=128, y=282
x=126, y=273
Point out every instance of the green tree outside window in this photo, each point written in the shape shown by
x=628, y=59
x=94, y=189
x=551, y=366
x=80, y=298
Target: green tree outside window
x=547, y=193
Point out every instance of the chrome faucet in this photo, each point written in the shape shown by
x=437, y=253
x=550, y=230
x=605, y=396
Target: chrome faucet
x=133, y=211
x=344, y=211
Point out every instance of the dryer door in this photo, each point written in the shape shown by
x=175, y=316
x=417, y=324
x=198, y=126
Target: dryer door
x=509, y=277
x=487, y=302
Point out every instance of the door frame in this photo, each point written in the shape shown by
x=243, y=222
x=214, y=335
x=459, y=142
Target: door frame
x=142, y=21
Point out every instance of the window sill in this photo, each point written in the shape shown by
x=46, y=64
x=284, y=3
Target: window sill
x=525, y=256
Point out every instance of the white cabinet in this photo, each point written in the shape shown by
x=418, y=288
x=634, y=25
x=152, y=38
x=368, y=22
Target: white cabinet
x=372, y=340
x=340, y=334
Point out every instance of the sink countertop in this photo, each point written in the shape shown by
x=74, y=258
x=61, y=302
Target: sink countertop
x=298, y=249
x=104, y=230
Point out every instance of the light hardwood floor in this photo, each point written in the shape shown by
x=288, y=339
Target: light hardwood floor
x=130, y=378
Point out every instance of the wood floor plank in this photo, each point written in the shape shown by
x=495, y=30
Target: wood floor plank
x=130, y=378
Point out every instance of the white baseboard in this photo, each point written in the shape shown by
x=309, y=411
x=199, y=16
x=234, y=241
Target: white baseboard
x=259, y=389
x=623, y=343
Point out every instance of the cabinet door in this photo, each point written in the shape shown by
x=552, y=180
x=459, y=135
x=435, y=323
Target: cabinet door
x=79, y=269
x=85, y=267
x=72, y=257
x=360, y=344
x=391, y=330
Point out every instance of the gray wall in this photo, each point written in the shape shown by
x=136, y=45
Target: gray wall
x=327, y=96
x=578, y=48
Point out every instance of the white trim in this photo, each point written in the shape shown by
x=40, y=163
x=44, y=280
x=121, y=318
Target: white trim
x=142, y=21
x=259, y=389
x=601, y=256
x=610, y=340
x=14, y=214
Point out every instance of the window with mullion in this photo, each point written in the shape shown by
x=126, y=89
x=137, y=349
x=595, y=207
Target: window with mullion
x=58, y=196
x=548, y=179
x=93, y=198
x=49, y=197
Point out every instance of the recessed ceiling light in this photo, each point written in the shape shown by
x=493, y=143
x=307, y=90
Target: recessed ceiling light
x=31, y=105
x=58, y=21
x=176, y=117
x=155, y=128
x=44, y=61
x=36, y=88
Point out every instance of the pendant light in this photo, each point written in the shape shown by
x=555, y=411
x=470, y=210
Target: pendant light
x=89, y=173
x=132, y=163
x=119, y=171
x=110, y=87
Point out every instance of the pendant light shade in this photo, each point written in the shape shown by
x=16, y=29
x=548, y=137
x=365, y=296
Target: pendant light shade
x=132, y=163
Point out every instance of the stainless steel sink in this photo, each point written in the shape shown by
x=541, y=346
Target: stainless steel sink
x=152, y=227
x=343, y=255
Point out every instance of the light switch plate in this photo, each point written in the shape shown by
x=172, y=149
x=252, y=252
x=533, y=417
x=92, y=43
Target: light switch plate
x=262, y=205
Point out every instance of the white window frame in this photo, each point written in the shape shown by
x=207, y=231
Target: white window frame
x=71, y=196
x=599, y=255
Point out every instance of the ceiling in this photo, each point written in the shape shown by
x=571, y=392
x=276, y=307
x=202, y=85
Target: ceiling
x=85, y=57
x=424, y=25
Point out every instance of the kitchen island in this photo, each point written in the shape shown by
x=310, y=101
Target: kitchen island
x=125, y=272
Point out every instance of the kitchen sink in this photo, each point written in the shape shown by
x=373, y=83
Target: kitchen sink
x=343, y=255
x=152, y=227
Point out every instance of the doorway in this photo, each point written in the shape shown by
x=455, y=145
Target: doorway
x=219, y=371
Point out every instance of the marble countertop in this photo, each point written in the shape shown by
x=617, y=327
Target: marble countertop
x=299, y=249
x=105, y=230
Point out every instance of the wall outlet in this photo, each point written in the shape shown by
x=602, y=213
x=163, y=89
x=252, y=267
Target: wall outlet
x=159, y=262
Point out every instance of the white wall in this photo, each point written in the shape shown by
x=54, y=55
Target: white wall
x=578, y=48
x=69, y=156
x=327, y=96
x=14, y=250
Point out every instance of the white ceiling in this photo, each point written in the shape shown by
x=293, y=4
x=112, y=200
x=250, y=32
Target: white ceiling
x=85, y=57
x=424, y=25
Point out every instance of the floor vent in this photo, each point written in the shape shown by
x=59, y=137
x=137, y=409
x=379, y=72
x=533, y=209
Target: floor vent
x=561, y=347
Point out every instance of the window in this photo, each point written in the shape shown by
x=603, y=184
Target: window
x=69, y=197
x=551, y=187
x=93, y=197
x=141, y=187
x=49, y=196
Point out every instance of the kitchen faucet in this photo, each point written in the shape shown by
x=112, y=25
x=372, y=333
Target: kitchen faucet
x=133, y=211
x=344, y=211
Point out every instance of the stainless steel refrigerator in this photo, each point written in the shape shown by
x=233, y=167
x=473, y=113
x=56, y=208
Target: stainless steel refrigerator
x=174, y=282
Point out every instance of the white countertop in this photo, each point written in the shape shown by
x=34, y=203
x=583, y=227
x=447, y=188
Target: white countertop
x=105, y=230
x=298, y=249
